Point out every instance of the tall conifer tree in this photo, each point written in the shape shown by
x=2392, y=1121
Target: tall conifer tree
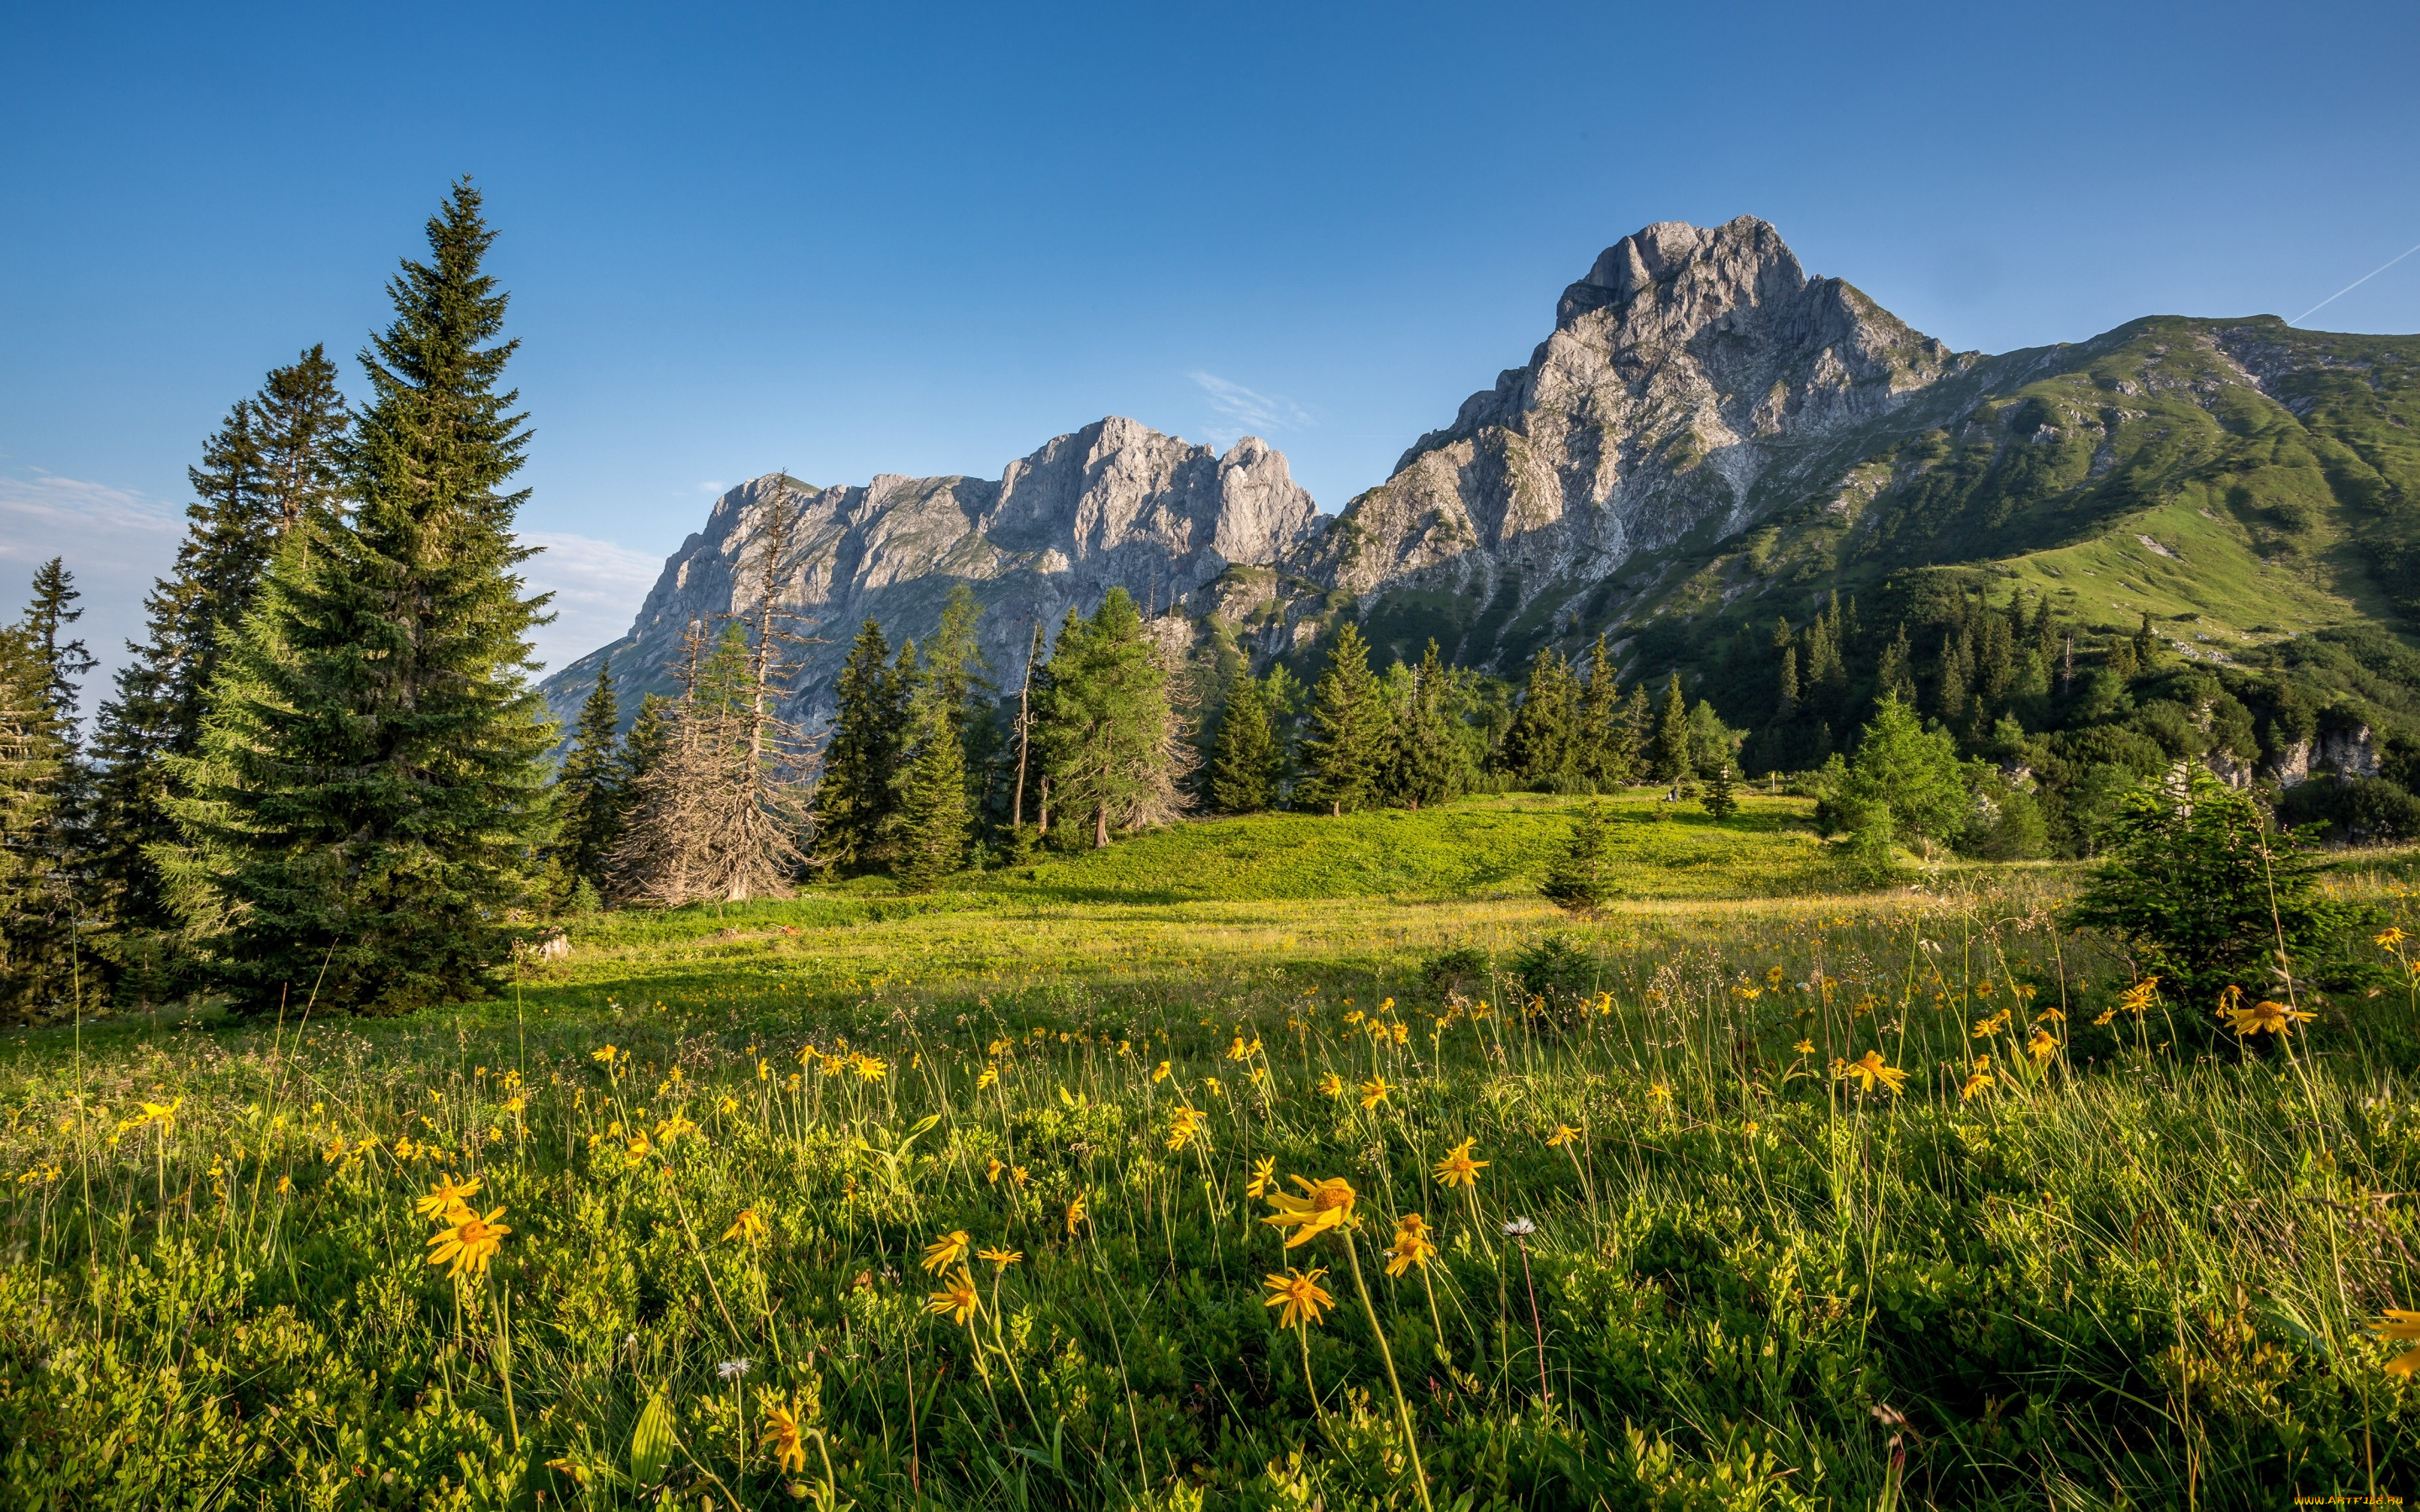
x=1105, y=722
x=37, y=906
x=931, y=828
x=592, y=787
x=1245, y=765
x=1669, y=756
x=368, y=789
x=1347, y=750
x=856, y=798
x=1424, y=757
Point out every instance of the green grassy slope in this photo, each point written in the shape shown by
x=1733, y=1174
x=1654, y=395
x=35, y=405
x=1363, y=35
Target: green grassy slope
x=1478, y=847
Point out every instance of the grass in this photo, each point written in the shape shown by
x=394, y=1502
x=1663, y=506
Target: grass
x=2129, y=1270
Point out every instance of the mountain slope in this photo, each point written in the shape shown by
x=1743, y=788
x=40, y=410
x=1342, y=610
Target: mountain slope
x=1115, y=504
x=1708, y=438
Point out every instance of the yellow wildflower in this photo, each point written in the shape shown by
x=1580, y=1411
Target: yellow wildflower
x=1075, y=1214
x=946, y=1251
x=1185, y=1125
x=1412, y=1245
x=1977, y=1080
x=471, y=1243
x=2041, y=1046
x=2264, y=1017
x=1458, y=1168
x=1001, y=1257
x=781, y=1436
x=991, y=1172
x=1373, y=1093
x=444, y=1199
x=1564, y=1133
x=990, y=1077
x=1869, y=1069
x=1300, y=1293
x=2137, y=998
x=1331, y=1085
x=1325, y=1205
x=957, y=1298
x=749, y=1228
x=1805, y=1048
x=1263, y=1170
x=2403, y=1327
x=2393, y=937
x=673, y=1128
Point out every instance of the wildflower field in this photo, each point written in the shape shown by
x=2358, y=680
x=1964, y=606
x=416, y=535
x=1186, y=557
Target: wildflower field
x=998, y=1200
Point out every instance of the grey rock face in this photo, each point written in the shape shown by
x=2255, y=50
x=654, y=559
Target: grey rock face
x=1692, y=376
x=1115, y=504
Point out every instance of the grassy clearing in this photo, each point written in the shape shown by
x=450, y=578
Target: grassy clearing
x=2120, y=1272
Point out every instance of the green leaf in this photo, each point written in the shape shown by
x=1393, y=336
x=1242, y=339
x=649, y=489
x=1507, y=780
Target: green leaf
x=651, y=1447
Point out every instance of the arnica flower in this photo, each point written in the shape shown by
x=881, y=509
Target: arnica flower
x=781, y=1436
x=2393, y=937
x=469, y=1244
x=1001, y=1257
x=957, y=1298
x=748, y=1229
x=1075, y=1212
x=673, y=1128
x=446, y=1198
x=1805, y=1048
x=1977, y=1080
x=1017, y=1177
x=2403, y=1327
x=946, y=1251
x=1659, y=1094
x=2041, y=1046
x=1564, y=1133
x=990, y=1077
x=2137, y=998
x=1412, y=1245
x=1331, y=1085
x=162, y=1114
x=869, y=1069
x=1868, y=1068
x=2264, y=1017
x=639, y=1146
x=1300, y=1293
x=1985, y=1028
x=991, y=1171
x=1263, y=1170
x=1185, y=1125
x=607, y=1055
x=1458, y=1168
x=1373, y=1093
x=1160, y=1073
x=1325, y=1205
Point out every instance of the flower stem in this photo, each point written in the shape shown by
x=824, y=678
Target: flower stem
x=1403, y=1409
x=504, y=1366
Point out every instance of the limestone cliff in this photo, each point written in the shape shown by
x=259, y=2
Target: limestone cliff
x=1114, y=505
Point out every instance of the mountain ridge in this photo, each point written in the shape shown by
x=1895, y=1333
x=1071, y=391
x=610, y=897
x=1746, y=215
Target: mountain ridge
x=1708, y=436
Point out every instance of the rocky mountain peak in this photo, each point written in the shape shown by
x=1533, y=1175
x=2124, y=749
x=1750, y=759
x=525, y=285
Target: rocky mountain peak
x=1116, y=504
x=1687, y=373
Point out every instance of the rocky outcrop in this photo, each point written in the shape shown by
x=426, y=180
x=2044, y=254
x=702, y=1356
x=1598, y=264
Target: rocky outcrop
x=1115, y=504
x=1692, y=375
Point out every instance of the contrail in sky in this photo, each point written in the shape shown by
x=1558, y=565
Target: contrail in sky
x=2354, y=284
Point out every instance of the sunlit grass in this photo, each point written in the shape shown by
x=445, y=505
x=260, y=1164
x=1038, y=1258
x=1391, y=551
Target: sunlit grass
x=2116, y=1271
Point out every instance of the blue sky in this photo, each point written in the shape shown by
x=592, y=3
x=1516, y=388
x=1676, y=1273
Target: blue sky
x=922, y=239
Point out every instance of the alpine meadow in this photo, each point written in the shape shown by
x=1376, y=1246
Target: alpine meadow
x=1781, y=917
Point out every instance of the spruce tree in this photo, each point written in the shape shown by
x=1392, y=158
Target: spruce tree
x=961, y=681
x=1104, y=721
x=855, y=798
x=48, y=619
x=1348, y=747
x=274, y=462
x=1539, y=746
x=930, y=830
x=1424, y=760
x=1722, y=799
x=1244, y=765
x=38, y=905
x=1669, y=754
x=369, y=786
x=1598, y=738
x=1576, y=880
x=591, y=788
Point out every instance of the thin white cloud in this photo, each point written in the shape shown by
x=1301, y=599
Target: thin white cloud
x=1254, y=413
x=113, y=540
x=597, y=587
x=712, y=489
